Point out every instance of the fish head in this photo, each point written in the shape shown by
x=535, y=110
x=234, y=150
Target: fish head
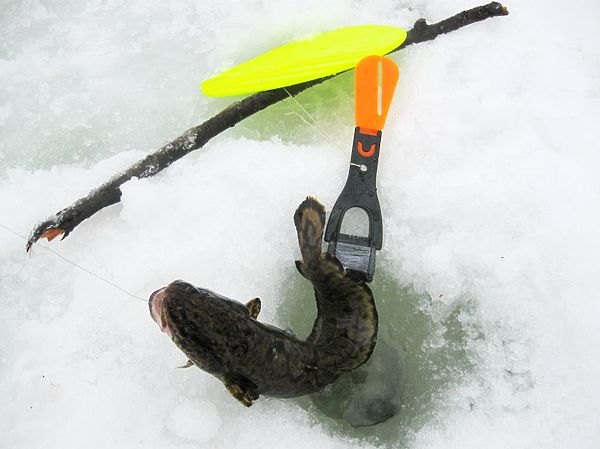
x=198, y=321
x=181, y=309
x=157, y=312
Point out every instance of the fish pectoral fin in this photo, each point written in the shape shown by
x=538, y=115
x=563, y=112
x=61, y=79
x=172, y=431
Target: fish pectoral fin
x=242, y=389
x=253, y=307
x=187, y=364
x=301, y=268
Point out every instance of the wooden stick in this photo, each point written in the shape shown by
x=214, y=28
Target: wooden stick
x=63, y=222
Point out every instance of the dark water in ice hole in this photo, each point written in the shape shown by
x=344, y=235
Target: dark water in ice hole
x=420, y=353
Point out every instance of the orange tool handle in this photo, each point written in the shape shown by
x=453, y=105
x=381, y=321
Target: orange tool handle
x=375, y=81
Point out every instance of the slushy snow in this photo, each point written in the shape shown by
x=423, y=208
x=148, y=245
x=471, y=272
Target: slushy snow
x=488, y=184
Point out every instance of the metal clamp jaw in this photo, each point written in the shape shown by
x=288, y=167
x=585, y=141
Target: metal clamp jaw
x=357, y=253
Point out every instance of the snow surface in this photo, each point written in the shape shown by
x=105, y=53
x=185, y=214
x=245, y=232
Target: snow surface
x=488, y=184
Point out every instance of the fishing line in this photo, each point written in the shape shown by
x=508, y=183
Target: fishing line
x=85, y=270
x=315, y=125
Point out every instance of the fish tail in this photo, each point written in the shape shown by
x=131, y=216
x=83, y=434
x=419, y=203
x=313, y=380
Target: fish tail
x=310, y=224
x=345, y=330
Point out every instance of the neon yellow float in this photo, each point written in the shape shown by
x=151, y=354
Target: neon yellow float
x=295, y=62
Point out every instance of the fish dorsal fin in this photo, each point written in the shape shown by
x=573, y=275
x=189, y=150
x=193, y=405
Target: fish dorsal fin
x=253, y=307
x=301, y=269
x=188, y=364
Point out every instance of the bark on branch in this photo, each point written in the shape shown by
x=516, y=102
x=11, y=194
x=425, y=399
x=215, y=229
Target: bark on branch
x=63, y=222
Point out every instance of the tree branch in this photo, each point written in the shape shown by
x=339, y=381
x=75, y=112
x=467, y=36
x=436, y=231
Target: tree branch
x=63, y=222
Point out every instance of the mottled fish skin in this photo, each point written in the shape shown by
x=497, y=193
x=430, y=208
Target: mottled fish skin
x=223, y=337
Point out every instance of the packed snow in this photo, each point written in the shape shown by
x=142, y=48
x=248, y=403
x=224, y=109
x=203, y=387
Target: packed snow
x=486, y=285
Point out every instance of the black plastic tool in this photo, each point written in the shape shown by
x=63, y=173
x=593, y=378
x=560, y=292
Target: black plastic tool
x=357, y=253
x=375, y=81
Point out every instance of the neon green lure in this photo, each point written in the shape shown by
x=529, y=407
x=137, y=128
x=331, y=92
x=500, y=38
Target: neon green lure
x=295, y=62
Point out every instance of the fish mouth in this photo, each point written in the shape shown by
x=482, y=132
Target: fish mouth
x=155, y=303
